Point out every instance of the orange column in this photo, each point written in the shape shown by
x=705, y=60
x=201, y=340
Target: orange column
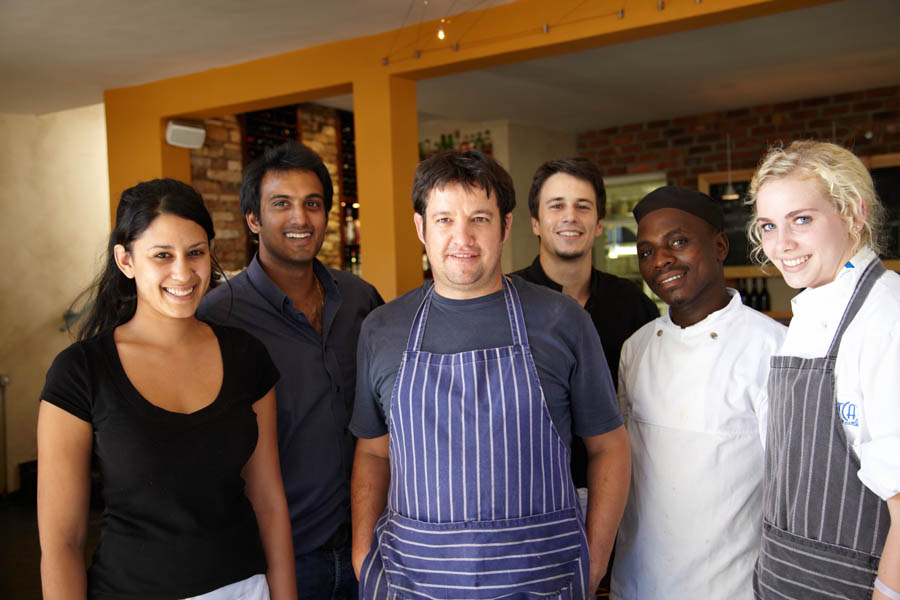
x=386, y=123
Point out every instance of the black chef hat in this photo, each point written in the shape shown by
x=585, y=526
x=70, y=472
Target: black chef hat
x=689, y=201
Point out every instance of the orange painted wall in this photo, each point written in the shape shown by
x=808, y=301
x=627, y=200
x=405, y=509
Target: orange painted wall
x=384, y=97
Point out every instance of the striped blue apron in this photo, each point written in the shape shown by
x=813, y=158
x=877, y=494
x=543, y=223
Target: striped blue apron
x=823, y=529
x=481, y=503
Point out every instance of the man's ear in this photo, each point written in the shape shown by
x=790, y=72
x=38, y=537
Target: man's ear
x=721, y=242
x=535, y=226
x=252, y=222
x=599, y=229
x=420, y=226
x=123, y=261
x=507, y=223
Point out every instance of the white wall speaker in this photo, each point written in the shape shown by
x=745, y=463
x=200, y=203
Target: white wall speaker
x=185, y=134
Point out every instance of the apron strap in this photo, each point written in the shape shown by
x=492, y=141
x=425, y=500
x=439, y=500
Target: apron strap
x=417, y=331
x=514, y=310
x=860, y=293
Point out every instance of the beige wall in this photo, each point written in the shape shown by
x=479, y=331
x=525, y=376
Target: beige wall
x=54, y=207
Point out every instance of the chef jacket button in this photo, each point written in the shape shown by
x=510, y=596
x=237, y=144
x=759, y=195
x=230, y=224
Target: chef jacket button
x=714, y=335
x=658, y=332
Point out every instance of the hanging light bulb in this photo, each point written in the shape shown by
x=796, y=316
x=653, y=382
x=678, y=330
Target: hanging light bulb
x=441, y=34
x=730, y=193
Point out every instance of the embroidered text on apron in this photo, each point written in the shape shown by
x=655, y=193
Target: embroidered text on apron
x=823, y=530
x=481, y=503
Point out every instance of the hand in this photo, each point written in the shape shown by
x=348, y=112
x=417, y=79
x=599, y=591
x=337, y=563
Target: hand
x=597, y=573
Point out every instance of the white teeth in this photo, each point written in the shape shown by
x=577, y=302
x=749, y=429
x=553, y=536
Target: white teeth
x=793, y=262
x=463, y=255
x=294, y=235
x=672, y=278
x=179, y=291
x=569, y=233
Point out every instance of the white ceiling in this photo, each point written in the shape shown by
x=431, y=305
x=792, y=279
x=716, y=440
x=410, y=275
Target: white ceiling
x=57, y=54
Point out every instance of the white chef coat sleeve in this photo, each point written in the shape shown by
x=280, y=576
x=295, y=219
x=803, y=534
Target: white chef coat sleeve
x=879, y=381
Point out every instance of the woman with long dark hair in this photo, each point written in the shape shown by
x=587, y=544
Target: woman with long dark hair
x=181, y=418
x=831, y=505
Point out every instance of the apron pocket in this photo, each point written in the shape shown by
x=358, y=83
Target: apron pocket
x=798, y=566
x=528, y=558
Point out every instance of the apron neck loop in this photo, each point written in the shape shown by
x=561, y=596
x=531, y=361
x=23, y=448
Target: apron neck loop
x=513, y=310
x=866, y=281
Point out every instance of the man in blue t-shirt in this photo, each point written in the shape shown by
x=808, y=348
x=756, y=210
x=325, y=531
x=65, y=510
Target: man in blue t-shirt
x=468, y=394
x=309, y=317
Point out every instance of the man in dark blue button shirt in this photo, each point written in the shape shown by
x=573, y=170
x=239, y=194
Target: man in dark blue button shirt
x=309, y=317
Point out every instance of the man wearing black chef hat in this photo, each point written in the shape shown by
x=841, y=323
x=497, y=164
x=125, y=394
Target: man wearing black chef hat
x=692, y=385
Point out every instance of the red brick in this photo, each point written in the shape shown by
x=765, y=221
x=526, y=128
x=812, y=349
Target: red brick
x=686, y=122
x=615, y=171
x=839, y=109
x=799, y=115
x=608, y=151
x=649, y=156
x=674, y=153
x=816, y=101
x=740, y=112
x=673, y=131
x=850, y=97
x=891, y=115
x=666, y=165
x=641, y=168
x=700, y=149
x=885, y=92
x=623, y=139
x=762, y=109
x=683, y=141
x=791, y=126
x=600, y=142
x=631, y=149
x=787, y=105
x=633, y=127
x=649, y=135
x=747, y=122
x=870, y=105
x=658, y=124
x=608, y=131
x=709, y=137
x=657, y=144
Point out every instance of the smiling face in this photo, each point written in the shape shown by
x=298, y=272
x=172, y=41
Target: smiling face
x=461, y=230
x=680, y=257
x=292, y=218
x=567, y=221
x=170, y=264
x=801, y=232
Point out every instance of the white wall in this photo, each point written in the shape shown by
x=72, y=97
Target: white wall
x=54, y=220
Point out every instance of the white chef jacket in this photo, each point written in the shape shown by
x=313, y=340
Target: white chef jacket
x=867, y=371
x=695, y=405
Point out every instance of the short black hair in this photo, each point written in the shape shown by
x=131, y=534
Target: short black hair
x=577, y=166
x=471, y=169
x=289, y=156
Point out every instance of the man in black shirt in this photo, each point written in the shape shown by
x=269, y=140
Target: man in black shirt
x=567, y=201
x=309, y=317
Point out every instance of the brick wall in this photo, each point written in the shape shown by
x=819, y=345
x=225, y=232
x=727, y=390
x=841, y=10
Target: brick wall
x=216, y=174
x=319, y=130
x=866, y=121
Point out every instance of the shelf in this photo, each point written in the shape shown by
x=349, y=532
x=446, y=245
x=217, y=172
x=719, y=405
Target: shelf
x=751, y=271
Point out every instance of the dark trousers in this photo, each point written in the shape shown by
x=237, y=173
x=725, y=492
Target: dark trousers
x=326, y=574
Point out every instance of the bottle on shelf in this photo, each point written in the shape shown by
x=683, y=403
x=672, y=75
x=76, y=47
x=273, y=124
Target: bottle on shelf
x=765, y=303
x=752, y=296
x=742, y=290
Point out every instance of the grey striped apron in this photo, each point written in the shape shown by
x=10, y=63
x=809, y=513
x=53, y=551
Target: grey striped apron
x=481, y=503
x=823, y=530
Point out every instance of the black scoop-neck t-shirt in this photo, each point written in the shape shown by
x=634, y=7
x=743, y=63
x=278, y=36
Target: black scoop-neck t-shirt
x=176, y=520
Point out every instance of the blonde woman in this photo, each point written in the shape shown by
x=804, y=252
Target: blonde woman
x=832, y=490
